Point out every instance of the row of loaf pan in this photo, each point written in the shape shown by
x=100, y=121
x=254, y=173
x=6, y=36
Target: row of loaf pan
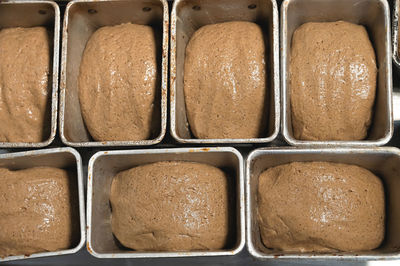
x=384, y=162
x=82, y=18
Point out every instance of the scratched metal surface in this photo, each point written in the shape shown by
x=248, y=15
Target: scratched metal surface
x=243, y=258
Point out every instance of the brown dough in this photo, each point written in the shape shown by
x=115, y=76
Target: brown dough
x=225, y=81
x=332, y=81
x=118, y=83
x=320, y=207
x=35, y=211
x=24, y=84
x=170, y=206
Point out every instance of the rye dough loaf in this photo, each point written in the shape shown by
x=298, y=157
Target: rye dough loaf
x=118, y=83
x=37, y=211
x=320, y=207
x=170, y=206
x=225, y=81
x=332, y=81
x=24, y=84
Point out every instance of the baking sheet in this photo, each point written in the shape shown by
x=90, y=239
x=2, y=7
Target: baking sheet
x=243, y=258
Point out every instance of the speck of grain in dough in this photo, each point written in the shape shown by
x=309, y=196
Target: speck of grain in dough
x=118, y=83
x=332, y=81
x=225, y=81
x=170, y=206
x=24, y=88
x=36, y=211
x=320, y=207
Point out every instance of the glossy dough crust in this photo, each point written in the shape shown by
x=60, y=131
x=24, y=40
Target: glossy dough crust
x=225, y=81
x=36, y=211
x=118, y=83
x=319, y=207
x=170, y=206
x=332, y=81
x=24, y=89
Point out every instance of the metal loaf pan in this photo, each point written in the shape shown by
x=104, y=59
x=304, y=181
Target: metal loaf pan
x=384, y=162
x=374, y=15
x=81, y=20
x=104, y=165
x=188, y=16
x=65, y=158
x=32, y=14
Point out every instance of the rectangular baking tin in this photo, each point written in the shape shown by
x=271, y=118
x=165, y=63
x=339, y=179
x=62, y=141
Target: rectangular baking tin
x=56, y=157
x=104, y=165
x=81, y=19
x=384, y=162
x=32, y=14
x=187, y=17
x=374, y=15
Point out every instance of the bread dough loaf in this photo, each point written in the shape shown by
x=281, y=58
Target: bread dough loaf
x=320, y=207
x=36, y=211
x=332, y=81
x=170, y=206
x=225, y=81
x=24, y=84
x=118, y=83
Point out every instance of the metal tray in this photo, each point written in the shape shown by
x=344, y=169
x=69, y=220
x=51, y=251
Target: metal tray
x=81, y=19
x=83, y=257
x=31, y=14
x=186, y=18
x=375, y=16
x=65, y=158
x=384, y=162
x=104, y=165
